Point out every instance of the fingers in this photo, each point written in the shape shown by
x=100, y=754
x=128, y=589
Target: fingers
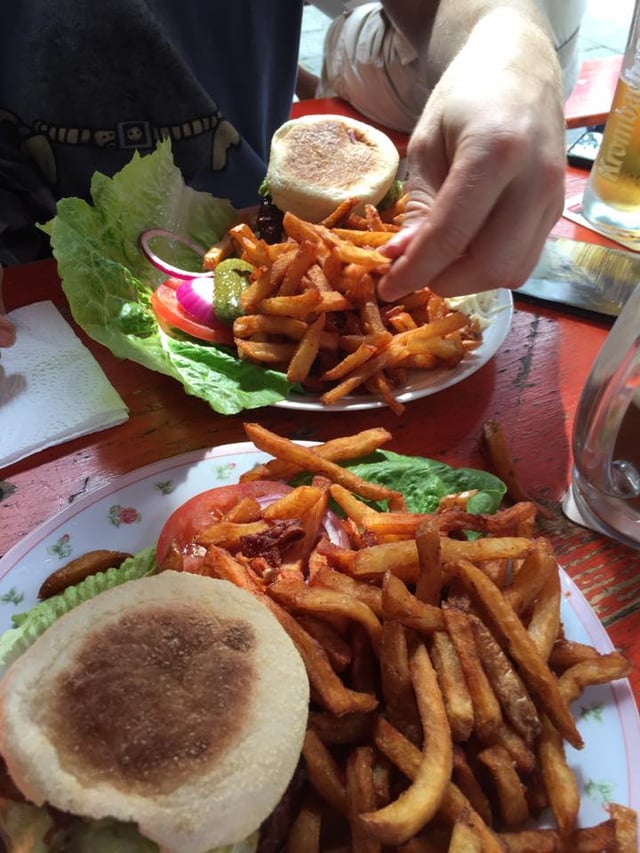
x=476, y=239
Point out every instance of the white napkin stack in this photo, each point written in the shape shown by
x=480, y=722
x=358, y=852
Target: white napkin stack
x=51, y=387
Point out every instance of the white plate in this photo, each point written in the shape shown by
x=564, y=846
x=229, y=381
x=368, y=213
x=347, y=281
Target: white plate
x=422, y=383
x=128, y=514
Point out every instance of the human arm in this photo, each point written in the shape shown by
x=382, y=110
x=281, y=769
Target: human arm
x=486, y=158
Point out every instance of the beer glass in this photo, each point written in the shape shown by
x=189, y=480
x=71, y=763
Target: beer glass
x=605, y=487
x=612, y=196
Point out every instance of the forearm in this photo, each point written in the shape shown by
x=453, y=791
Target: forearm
x=439, y=29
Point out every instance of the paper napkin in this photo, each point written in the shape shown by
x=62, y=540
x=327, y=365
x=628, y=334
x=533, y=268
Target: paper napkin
x=51, y=388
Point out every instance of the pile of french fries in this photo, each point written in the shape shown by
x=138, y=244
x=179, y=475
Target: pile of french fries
x=312, y=312
x=440, y=676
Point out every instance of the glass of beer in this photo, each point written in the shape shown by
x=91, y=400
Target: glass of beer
x=612, y=196
x=605, y=486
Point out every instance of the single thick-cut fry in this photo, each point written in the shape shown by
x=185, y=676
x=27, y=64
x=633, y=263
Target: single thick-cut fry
x=516, y=703
x=361, y=797
x=304, y=833
x=429, y=583
x=559, y=781
x=510, y=790
x=405, y=816
x=396, y=684
x=306, y=351
x=457, y=699
x=626, y=821
x=464, y=838
x=360, y=591
x=316, y=599
x=600, y=670
x=324, y=773
x=399, y=604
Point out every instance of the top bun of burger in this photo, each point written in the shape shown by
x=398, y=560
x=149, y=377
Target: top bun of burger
x=318, y=161
x=176, y=702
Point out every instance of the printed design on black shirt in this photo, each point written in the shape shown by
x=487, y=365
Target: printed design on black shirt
x=38, y=139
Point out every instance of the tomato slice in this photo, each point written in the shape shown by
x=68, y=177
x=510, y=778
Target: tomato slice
x=171, y=315
x=180, y=530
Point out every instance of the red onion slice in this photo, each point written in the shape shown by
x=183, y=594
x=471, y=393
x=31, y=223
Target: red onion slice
x=195, y=295
x=165, y=266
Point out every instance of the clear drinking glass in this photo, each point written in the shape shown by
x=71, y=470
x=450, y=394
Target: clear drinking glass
x=612, y=196
x=605, y=483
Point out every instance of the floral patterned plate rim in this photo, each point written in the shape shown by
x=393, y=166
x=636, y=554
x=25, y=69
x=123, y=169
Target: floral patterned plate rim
x=128, y=513
x=423, y=383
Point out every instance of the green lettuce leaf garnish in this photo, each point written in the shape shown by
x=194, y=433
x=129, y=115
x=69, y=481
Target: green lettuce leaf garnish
x=108, y=280
x=29, y=829
x=30, y=625
x=424, y=481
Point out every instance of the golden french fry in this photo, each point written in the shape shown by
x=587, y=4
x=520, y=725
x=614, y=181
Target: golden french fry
x=395, y=678
x=316, y=599
x=307, y=459
x=512, y=694
x=265, y=352
x=600, y=670
x=371, y=239
x=511, y=792
x=360, y=591
x=249, y=325
x=558, y=778
x=349, y=729
x=361, y=797
x=453, y=686
x=400, y=605
x=486, y=708
x=336, y=648
x=464, y=838
x=405, y=816
x=335, y=450
x=306, y=351
x=626, y=827
x=300, y=261
x=304, y=833
x=539, y=679
x=324, y=773
x=544, y=621
x=407, y=758
x=300, y=306
x=327, y=687
x=429, y=583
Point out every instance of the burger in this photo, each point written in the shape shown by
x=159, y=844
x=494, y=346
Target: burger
x=318, y=161
x=165, y=713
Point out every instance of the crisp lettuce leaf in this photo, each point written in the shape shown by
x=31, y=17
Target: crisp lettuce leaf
x=30, y=625
x=424, y=481
x=28, y=829
x=108, y=281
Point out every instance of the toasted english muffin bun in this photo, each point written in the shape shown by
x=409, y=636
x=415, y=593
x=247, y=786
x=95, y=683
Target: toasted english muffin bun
x=318, y=161
x=176, y=702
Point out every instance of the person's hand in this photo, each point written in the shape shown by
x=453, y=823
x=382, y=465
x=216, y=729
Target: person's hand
x=486, y=171
x=7, y=331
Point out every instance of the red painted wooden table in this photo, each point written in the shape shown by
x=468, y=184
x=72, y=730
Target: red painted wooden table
x=532, y=385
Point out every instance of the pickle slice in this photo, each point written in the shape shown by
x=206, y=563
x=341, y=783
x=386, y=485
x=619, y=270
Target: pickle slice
x=230, y=279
